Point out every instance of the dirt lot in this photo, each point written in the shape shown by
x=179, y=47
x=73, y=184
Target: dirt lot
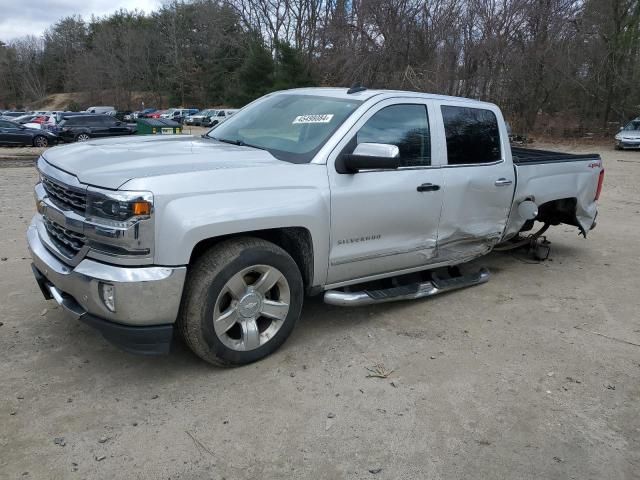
x=506, y=380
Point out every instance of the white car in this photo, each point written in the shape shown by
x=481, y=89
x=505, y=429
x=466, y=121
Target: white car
x=629, y=136
x=220, y=117
x=201, y=117
x=102, y=109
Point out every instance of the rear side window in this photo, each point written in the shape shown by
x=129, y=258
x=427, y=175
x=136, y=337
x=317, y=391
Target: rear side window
x=472, y=135
x=405, y=126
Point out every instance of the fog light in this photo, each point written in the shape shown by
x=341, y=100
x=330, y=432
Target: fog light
x=108, y=295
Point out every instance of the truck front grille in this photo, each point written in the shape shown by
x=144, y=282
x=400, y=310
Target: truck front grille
x=65, y=197
x=67, y=241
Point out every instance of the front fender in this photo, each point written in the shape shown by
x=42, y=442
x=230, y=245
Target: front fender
x=184, y=222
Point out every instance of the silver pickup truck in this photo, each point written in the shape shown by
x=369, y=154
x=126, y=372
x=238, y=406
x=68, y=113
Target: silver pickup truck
x=364, y=196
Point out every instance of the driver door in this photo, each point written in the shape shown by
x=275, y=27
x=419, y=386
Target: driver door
x=385, y=220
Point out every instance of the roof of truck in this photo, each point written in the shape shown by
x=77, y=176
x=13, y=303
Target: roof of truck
x=367, y=94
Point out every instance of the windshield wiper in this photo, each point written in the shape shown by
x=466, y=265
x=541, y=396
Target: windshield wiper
x=239, y=143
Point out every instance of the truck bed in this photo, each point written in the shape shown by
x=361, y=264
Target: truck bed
x=530, y=156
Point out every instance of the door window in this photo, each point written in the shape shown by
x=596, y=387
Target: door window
x=472, y=135
x=405, y=126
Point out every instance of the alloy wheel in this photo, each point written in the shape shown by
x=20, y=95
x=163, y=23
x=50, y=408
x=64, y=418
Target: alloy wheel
x=41, y=142
x=251, y=307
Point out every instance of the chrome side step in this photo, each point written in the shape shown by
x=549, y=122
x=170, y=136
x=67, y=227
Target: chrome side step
x=407, y=292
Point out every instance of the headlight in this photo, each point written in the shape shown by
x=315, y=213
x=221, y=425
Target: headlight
x=121, y=208
x=618, y=137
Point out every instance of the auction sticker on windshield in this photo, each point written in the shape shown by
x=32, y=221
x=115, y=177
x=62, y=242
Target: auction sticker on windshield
x=317, y=118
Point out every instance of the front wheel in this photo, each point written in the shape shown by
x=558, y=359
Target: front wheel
x=241, y=301
x=83, y=137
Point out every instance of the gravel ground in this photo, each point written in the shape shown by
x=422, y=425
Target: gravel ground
x=506, y=380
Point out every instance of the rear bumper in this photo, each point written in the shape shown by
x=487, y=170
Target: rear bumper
x=146, y=299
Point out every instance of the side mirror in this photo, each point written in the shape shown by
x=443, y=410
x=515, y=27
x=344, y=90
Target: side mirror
x=369, y=156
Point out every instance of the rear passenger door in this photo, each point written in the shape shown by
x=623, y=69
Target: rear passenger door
x=479, y=179
x=95, y=125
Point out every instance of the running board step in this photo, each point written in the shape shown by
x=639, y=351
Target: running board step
x=407, y=292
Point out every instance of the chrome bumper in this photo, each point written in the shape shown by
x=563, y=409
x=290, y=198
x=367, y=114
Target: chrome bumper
x=144, y=296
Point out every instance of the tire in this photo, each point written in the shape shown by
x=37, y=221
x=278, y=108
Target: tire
x=229, y=286
x=40, y=141
x=82, y=137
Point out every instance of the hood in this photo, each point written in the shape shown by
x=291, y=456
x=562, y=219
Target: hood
x=112, y=162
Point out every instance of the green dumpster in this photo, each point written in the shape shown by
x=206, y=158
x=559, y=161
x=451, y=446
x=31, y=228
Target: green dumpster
x=158, y=126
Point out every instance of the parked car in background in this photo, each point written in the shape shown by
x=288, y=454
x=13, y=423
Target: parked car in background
x=220, y=117
x=102, y=109
x=178, y=114
x=14, y=114
x=143, y=113
x=44, y=122
x=12, y=133
x=123, y=114
x=200, y=117
x=155, y=114
x=629, y=136
x=81, y=128
x=29, y=118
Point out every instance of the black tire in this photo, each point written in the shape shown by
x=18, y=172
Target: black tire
x=40, y=141
x=205, y=282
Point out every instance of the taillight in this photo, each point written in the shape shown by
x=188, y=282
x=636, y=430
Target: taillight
x=600, y=181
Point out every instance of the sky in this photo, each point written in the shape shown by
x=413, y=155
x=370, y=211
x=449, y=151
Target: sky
x=32, y=17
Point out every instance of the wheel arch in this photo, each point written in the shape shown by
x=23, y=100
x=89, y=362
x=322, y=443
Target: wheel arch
x=296, y=241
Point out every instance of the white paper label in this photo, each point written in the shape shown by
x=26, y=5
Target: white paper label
x=316, y=118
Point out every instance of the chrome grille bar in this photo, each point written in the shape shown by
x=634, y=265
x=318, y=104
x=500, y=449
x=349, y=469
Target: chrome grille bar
x=65, y=197
x=68, y=241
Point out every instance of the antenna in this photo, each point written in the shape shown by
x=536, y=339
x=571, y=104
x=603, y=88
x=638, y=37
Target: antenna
x=355, y=88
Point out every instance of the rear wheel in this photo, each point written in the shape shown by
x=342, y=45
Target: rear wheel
x=241, y=301
x=82, y=137
x=40, y=141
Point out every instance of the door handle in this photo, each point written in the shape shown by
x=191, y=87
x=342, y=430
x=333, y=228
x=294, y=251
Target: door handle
x=428, y=187
x=503, y=182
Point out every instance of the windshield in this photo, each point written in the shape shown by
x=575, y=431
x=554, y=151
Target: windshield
x=292, y=127
x=634, y=125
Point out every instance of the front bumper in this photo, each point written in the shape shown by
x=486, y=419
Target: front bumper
x=146, y=298
x=630, y=144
